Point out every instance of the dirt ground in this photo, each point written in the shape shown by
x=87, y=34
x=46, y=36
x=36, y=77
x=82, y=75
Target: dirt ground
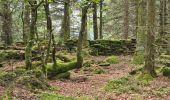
x=84, y=83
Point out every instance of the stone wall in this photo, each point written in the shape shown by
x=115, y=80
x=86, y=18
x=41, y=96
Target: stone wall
x=107, y=47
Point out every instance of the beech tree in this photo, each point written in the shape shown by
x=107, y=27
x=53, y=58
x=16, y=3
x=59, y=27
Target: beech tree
x=7, y=22
x=150, y=40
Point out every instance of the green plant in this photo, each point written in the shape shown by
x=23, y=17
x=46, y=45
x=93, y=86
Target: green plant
x=117, y=85
x=112, y=60
x=138, y=58
x=53, y=96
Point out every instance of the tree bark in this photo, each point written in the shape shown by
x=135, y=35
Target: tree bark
x=163, y=16
x=101, y=19
x=26, y=22
x=65, y=29
x=95, y=26
x=150, y=40
x=81, y=35
x=51, y=41
x=126, y=19
x=141, y=30
x=7, y=23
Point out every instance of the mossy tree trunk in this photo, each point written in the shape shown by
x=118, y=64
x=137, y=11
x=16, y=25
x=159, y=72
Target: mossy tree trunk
x=81, y=35
x=65, y=28
x=150, y=40
x=163, y=16
x=95, y=26
x=7, y=22
x=141, y=30
x=126, y=20
x=26, y=22
x=101, y=19
x=28, y=49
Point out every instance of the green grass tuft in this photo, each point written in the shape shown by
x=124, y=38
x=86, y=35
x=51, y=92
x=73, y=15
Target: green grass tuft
x=112, y=60
x=53, y=96
x=138, y=58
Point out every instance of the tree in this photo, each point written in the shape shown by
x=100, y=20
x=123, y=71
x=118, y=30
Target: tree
x=28, y=50
x=101, y=19
x=65, y=28
x=163, y=14
x=26, y=22
x=141, y=26
x=7, y=23
x=95, y=26
x=126, y=19
x=81, y=35
x=150, y=40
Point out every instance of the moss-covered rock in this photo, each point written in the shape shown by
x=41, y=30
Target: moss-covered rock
x=65, y=75
x=11, y=54
x=111, y=60
x=145, y=78
x=166, y=72
x=61, y=67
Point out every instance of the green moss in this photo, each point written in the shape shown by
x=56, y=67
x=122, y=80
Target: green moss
x=6, y=78
x=42, y=45
x=112, y=60
x=165, y=56
x=138, y=58
x=61, y=67
x=98, y=71
x=166, y=72
x=65, y=75
x=66, y=57
x=144, y=78
x=117, y=85
x=162, y=91
x=11, y=54
x=53, y=96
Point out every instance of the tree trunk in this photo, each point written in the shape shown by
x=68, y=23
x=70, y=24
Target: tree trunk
x=150, y=40
x=162, y=17
x=126, y=19
x=95, y=27
x=81, y=35
x=51, y=41
x=141, y=30
x=101, y=19
x=28, y=49
x=65, y=29
x=26, y=22
x=7, y=23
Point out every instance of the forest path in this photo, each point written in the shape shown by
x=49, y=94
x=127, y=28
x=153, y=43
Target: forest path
x=94, y=85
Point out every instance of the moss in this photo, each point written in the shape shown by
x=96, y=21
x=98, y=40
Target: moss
x=104, y=64
x=166, y=72
x=65, y=75
x=42, y=45
x=162, y=91
x=165, y=56
x=32, y=79
x=98, y=71
x=138, y=58
x=66, y=57
x=61, y=67
x=117, y=85
x=32, y=82
x=53, y=96
x=144, y=78
x=112, y=60
x=6, y=78
x=11, y=54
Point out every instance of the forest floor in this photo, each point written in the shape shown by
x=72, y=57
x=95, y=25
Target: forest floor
x=85, y=84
